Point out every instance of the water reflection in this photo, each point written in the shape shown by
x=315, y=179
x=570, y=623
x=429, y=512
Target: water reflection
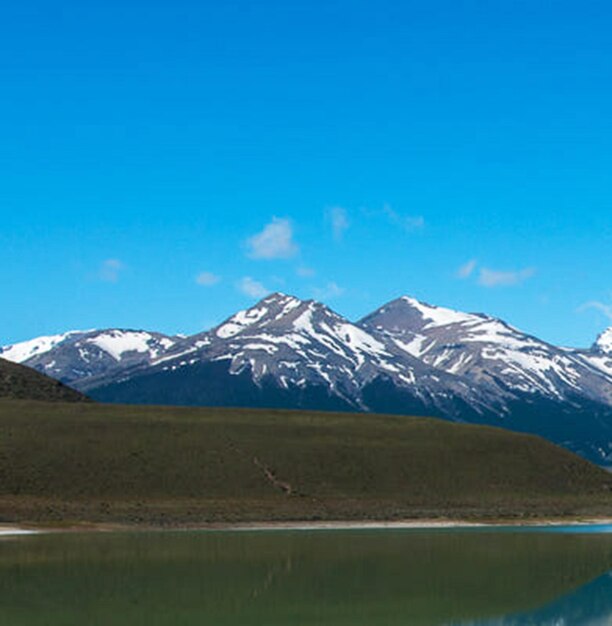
x=385, y=578
x=588, y=606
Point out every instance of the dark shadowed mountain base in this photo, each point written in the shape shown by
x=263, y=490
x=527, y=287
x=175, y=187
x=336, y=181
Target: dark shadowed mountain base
x=585, y=427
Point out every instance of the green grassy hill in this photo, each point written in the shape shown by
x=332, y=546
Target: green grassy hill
x=163, y=465
x=21, y=382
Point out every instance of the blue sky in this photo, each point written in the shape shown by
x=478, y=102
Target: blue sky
x=164, y=163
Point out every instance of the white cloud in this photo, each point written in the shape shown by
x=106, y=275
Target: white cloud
x=305, y=272
x=275, y=241
x=606, y=309
x=329, y=291
x=207, y=279
x=467, y=269
x=496, y=278
x=278, y=280
x=252, y=288
x=110, y=270
x=409, y=223
x=339, y=221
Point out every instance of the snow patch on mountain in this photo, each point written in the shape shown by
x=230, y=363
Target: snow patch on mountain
x=604, y=342
x=79, y=355
x=21, y=352
x=436, y=315
x=240, y=321
x=603, y=362
x=118, y=342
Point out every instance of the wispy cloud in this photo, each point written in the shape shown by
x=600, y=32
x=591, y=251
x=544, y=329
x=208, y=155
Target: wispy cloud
x=110, y=270
x=305, y=272
x=275, y=241
x=328, y=292
x=207, y=279
x=606, y=309
x=252, y=288
x=503, y=278
x=467, y=269
x=339, y=221
x=409, y=223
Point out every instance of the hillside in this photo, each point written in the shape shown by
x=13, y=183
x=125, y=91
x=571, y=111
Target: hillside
x=21, y=382
x=178, y=466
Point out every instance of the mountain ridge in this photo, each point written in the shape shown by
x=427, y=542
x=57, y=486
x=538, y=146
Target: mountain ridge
x=405, y=357
x=77, y=355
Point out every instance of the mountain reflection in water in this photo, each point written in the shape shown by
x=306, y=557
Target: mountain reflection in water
x=331, y=578
x=590, y=605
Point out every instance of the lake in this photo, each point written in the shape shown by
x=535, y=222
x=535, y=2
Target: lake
x=301, y=578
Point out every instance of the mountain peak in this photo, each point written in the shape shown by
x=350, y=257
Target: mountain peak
x=278, y=313
x=604, y=342
x=271, y=308
x=278, y=297
x=409, y=314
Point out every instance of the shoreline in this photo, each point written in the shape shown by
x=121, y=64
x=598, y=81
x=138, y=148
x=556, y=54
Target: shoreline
x=16, y=530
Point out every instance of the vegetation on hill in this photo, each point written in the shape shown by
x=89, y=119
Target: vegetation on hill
x=170, y=465
x=21, y=382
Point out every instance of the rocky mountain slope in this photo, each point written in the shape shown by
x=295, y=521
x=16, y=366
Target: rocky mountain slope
x=297, y=346
x=490, y=353
x=405, y=357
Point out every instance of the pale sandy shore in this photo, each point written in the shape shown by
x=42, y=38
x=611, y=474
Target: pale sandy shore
x=312, y=526
x=406, y=524
x=15, y=530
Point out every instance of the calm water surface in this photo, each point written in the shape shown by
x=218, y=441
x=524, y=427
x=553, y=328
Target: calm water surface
x=330, y=578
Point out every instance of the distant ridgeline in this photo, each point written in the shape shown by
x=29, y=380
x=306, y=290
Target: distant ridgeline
x=18, y=382
x=407, y=357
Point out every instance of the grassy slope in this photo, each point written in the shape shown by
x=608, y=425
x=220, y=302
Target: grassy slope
x=21, y=382
x=180, y=466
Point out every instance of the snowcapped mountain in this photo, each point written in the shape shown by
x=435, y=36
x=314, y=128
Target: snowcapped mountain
x=305, y=342
x=289, y=345
x=22, y=352
x=487, y=351
x=75, y=356
x=406, y=357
